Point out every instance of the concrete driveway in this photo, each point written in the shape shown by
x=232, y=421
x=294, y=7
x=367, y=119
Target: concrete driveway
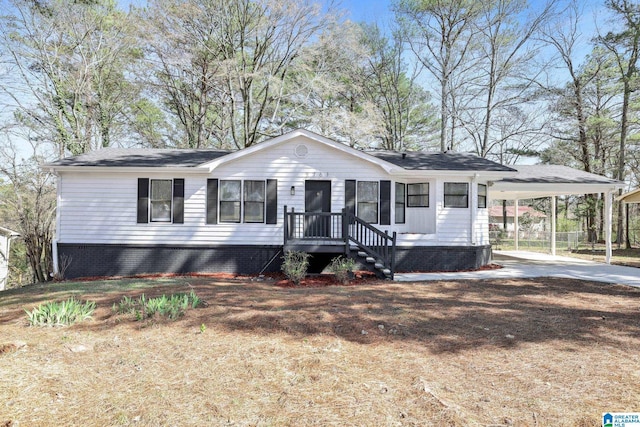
x=520, y=264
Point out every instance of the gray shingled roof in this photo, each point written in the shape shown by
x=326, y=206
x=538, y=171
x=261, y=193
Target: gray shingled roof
x=142, y=157
x=554, y=174
x=418, y=160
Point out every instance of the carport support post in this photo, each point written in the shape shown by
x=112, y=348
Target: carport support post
x=608, y=214
x=553, y=225
x=515, y=224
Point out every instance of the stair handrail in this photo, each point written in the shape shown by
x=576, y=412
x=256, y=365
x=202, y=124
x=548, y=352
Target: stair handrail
x=386, y=242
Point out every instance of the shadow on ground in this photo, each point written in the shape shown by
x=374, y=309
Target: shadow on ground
x=440, y=316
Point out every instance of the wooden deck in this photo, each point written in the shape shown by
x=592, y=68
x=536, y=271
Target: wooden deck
x=312, y=245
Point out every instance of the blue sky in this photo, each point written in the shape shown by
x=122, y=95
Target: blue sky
x=368, y=11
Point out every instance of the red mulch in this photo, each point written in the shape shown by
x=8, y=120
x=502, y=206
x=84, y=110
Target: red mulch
x=323, y=280
x=312, y=281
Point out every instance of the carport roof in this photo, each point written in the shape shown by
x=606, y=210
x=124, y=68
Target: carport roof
x=534, y=181
x=630, y=197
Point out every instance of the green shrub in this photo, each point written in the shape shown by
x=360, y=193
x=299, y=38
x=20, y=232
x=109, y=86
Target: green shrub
x=126, y=305
x=172, y=306
x=295, y=265
x=61, y=313
x=342, y=268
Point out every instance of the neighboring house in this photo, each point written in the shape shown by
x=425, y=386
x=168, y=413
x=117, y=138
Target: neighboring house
x=135, y=211
x=5, y=246
x=630, y=197
x=496, y=219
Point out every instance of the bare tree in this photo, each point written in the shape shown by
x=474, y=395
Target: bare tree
x=330, y=88
x=67, y=79
x=505, y=74
x=184, y=58
x=624, y=44
x=223, y=67
x=441, y=35
x=408, y=118
x=30, y=205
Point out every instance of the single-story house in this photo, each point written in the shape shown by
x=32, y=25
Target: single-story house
x=137, y=211
x=496, y=218
x=134, y=211
x=6, y=236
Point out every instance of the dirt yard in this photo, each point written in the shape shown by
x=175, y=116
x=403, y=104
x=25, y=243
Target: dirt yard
x=512, y=352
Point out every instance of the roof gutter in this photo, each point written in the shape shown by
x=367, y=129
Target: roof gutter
x=416, y=173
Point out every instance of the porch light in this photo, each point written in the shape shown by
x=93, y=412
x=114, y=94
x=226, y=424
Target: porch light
x=293, y=190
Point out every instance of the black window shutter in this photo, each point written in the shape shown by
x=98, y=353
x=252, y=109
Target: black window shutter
x=272, y=201
x=212, y=201
x=350, y=196
x=385, y=202
x=143, y=200
x=178, y=201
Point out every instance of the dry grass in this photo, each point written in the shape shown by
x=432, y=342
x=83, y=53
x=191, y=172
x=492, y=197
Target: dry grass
x=622, y=256
x=520, y=352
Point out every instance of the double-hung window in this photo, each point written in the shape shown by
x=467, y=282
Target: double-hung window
x=367, y=201
x=401, y=190
x=244, y=200
x=235, y=201
x=254, y=196
x=230, y=199
x=482, y=196
x=418, y=195
x=160, y=200
x=456, y=195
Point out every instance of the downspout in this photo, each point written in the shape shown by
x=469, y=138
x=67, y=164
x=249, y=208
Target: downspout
x=54, y=243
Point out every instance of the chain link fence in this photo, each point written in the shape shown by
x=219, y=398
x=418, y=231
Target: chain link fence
x=540, y=240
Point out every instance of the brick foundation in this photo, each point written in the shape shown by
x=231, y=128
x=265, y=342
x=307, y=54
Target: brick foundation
x=128, y=260
x=442, y=258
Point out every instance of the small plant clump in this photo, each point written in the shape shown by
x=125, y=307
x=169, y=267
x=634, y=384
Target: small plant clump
x=342, y=267
x=295, y=265
x=171, y=307
x=61, y=313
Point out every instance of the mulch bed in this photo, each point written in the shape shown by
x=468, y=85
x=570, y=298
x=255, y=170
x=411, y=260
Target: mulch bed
x=323, y=280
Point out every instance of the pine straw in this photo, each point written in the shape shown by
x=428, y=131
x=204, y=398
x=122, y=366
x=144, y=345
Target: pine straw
x=519, y=352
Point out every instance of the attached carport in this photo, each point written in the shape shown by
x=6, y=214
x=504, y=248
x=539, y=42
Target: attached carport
x=538, y=181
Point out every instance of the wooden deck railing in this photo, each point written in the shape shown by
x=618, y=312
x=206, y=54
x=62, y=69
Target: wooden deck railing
x=312, y=226
x=345, y=227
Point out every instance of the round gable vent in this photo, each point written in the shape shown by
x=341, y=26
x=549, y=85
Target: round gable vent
x=301, y=150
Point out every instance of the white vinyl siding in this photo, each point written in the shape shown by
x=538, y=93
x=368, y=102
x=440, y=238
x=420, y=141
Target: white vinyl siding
x=101, y=207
